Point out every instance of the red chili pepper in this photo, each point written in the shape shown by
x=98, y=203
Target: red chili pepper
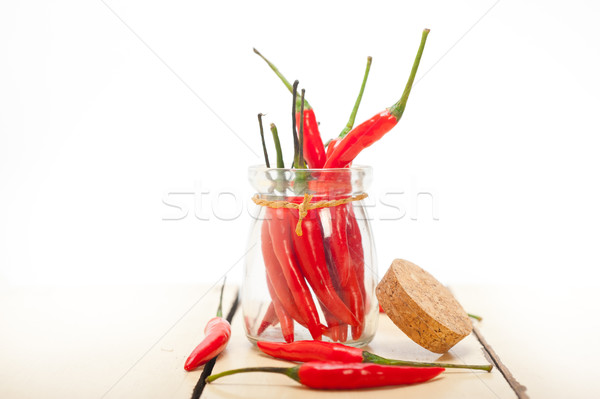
x=309, y=351
x=314, y=151
x=332, y=324
x=287, y=323
x=373, y=129
x=354, y=299
x=346, y=275
x=356, y=375
x=339, y=244
x=320, y=375
x=275, y=273
x=331, y=147
x=269, y=319
x=343, y=332
x=312, y=351
x=311, y=258
x=355, y=248
x=339, y=329
x=217, y=333
x=280, y=229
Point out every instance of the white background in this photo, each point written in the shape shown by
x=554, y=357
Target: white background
x=106, y=108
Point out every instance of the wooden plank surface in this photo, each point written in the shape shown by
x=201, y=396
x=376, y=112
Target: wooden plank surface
x=546, y=335
x=389, y=342
x=93, y=342
x=118, y=342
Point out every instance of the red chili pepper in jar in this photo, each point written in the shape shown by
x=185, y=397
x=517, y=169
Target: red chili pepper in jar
x=373, y=129
x=275, y=274
x=286, y=321
x=346, y=274
x=338, y=330
x=217, y=333
x=311, y=258
x=320, y=351
x=281, y=235
x=269, y=319
x=321, y=375
x=356, y=250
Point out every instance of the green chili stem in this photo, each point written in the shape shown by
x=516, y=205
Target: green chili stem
x=372, y=358
x=280, y=181
x=280, y=163
x=220, y=308
x=301, y=162
x=358, y=100
x=398, y=109
x=262, y=137
x=294, y=96
x=280, y=75
x=474, y=316
x=291, y=372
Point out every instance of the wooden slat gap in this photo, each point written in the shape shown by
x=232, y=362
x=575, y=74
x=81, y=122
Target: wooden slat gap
x=493, y=357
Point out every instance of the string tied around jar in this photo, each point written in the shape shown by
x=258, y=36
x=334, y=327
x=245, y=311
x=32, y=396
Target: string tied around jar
x=306, y=205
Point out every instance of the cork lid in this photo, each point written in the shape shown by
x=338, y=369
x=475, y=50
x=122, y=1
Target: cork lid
x=422, y=307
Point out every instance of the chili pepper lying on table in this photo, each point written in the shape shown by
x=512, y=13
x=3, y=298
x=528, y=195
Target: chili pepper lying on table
x=321, y=375
x=217, y=333
x=314, y=151
x=308, y=351
x=373, y=129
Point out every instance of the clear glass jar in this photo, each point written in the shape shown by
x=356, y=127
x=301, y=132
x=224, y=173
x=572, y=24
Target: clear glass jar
x=320, y=284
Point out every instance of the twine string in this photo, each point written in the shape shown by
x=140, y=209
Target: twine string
x=306, y=205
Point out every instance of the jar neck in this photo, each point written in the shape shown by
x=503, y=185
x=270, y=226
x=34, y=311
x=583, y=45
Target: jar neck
x=321, y=183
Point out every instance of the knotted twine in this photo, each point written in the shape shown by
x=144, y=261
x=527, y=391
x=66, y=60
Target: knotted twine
x=306, y=205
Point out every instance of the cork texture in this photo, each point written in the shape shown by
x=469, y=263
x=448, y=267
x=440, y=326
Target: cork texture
x=422, y=307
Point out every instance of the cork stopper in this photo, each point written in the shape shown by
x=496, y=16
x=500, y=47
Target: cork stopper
x=422, y=307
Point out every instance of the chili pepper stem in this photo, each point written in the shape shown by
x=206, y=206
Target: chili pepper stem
x=220, y=308
x=280, y=163
x=369, y=357
x=296, y=149
x=281, y=77
x=280, y=186
x=358, y=100
x=398, y=109
x=301, y=163
x=291, y=372
x=262, y=138
x=474, y=316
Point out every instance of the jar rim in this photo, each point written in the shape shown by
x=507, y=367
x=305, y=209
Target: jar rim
x=357, y=168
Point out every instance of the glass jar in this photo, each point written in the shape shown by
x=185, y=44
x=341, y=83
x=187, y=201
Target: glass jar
x=310, y=275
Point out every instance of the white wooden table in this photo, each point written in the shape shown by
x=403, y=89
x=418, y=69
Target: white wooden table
x=130, y=342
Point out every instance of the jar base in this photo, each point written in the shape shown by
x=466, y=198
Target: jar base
x=275, y=336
